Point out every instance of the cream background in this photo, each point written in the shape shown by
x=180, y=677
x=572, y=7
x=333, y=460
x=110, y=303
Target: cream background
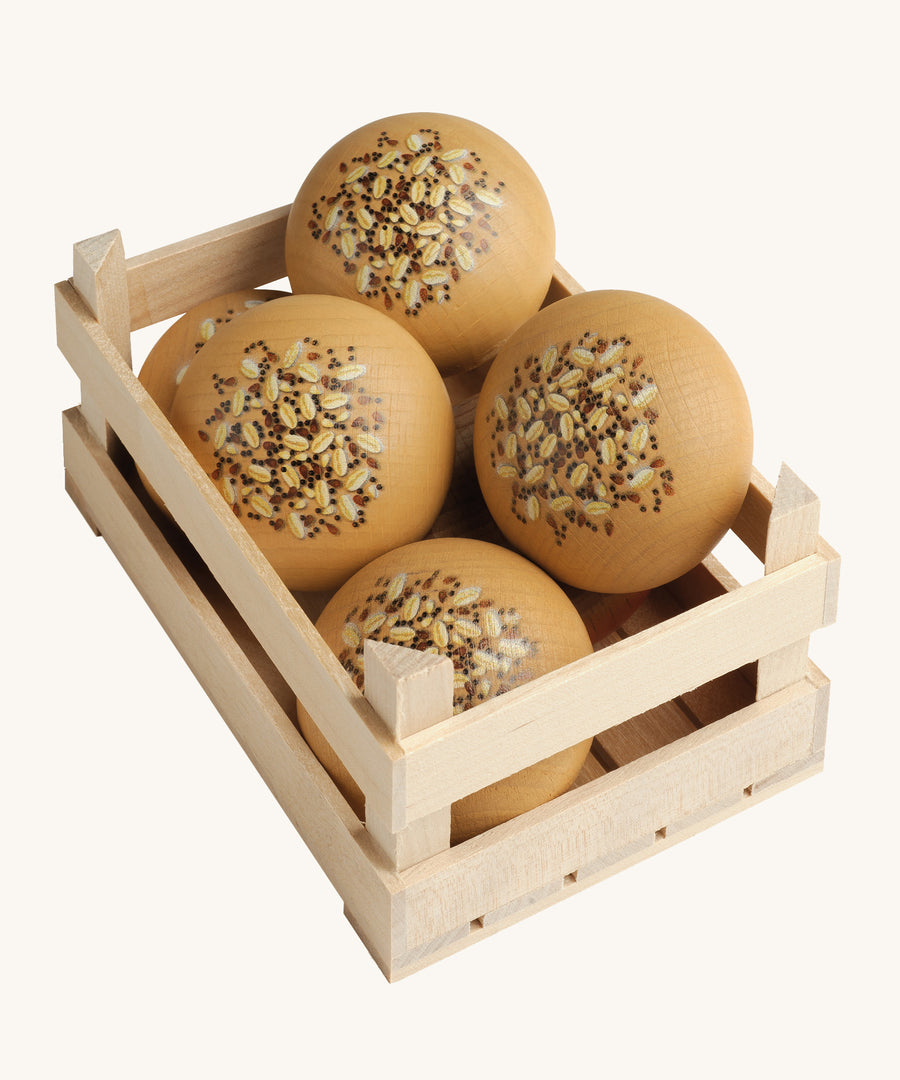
x=158, y=914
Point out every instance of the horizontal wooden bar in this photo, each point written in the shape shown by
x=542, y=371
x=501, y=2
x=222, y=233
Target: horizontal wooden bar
x=244, y=255
x=478, y=747
x=332, y=832
x=623, y=859
x=594, y=823
x=175, y=278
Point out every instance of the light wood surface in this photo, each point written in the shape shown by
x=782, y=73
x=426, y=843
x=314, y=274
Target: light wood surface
x=98, y=272
x=235, y=560
x=410, y=692
x=175, y=278
x=627, y=806
x=261, y=725
x=792, y=534
x=653, y=667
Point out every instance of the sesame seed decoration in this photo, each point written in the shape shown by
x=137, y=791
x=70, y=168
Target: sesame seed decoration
x=439, y=614
x=574, y=435
x=297, y=439
x=411, y=217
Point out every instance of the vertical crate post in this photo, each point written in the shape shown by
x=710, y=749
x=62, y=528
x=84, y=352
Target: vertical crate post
x=99, y=275
x=793, y=533
x=410, y=690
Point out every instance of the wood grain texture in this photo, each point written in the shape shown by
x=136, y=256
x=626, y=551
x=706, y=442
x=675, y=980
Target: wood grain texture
x=602, y=868
x=171, y=280
x=752, y=522
x=98, y=272
x=524, y=725
x=607, y=816
x=264, y=730
x=409, y=691
x=792, y=534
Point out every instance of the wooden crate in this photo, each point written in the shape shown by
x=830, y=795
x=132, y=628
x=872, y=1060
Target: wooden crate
x=704, y=702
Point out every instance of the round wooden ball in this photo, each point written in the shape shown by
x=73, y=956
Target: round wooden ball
x=502, y=621
x=326, y=428
x=613, y=441
x=171, y=356
x=436, y=221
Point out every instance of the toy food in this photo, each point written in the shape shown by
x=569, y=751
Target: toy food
x=326, y=428
x=502, y=621
x=170, y=357
x=432, y=219
x=613, y=441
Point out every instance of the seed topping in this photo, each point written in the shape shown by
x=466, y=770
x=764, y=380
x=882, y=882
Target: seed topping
x=441, y=613
x=398, y=196
x=594, y=447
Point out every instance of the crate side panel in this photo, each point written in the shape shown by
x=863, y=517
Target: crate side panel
x=752, y=522
x=540, y=900
x=591, y=695
x=275, y=618
x=605, y=817
x=170, y=280
x=720, y=696
x=333, y=834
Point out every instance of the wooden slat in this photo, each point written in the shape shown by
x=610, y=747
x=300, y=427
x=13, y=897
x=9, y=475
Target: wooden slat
x=331, y=831
x=599, y=820
x=98, y=273
x=792, y=534
x=752, y=521
x=831, y=585
x=539, y=899
x=793, y=522
x=735, y=689
x=561, y=286
x=717, y=697
x=170, y=280
x=643, y=734
x=409, y=690
x=705, y=581
x=590, y=695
